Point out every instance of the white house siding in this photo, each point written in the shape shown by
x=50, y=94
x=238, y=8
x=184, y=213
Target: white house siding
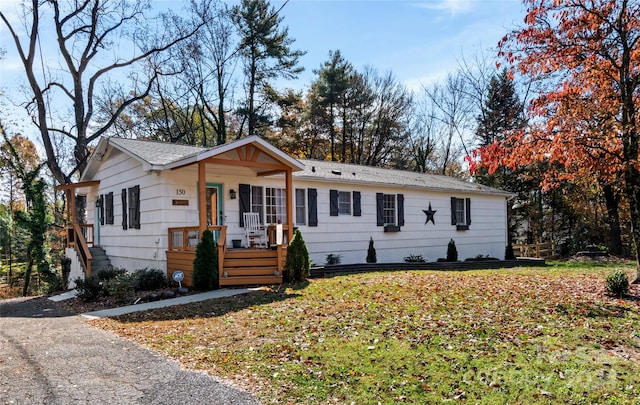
x=131, y=248
x=344, y=235
x=348, y=235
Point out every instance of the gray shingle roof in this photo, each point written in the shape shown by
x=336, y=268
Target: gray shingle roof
x=159, y=154
x=156, y=153
x=344, y=172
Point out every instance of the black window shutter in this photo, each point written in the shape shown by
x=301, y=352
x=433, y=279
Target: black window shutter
x=454, y=220
x=333, y=203
x=101, y=203
x=125, y=221
x=312, y=196
x=357, y=207
x=400, y=209
x=134, y=207
x=137, y=212
x=468, y=211
x=109, y=208
x=379, y=209
x=245, y=201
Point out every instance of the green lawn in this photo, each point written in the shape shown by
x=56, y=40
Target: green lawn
x=525, y=335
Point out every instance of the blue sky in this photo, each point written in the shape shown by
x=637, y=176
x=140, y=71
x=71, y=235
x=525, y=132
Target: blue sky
x=420, y=41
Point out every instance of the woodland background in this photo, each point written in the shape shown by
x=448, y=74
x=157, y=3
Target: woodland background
x=549, y=114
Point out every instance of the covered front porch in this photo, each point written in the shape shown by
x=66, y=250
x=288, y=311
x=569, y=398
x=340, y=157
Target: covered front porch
x=236, y=266
x=239, y=262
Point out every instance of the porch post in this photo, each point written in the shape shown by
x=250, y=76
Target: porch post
x=202, y=197
x=71, y=205
x=289, y=192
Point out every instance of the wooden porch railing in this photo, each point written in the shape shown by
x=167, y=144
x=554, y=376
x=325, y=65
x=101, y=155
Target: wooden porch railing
x=79, y=237
x=186, y=238
x=539, y=250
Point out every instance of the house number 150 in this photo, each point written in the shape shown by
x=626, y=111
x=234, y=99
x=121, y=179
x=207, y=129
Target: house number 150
x=180, y=191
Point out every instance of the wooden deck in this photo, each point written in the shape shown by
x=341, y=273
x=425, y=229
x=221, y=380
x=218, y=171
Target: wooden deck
x=235, y=266
x=239, y=266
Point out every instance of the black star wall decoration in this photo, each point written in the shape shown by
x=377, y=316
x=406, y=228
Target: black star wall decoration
x=430, y=215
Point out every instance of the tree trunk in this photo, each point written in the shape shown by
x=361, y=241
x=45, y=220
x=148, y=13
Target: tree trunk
x=633, y=194
x=27, y=275
x=612, y=200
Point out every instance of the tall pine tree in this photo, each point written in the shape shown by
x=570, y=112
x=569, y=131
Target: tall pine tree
x=265, y=48
x=501, y=113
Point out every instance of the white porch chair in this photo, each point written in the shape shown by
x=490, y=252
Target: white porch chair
x=254, y=233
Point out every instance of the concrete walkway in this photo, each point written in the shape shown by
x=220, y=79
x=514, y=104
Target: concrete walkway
x=50, y=356
x=186, y=299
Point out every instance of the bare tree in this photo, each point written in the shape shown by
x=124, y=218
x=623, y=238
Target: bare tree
x=454, y=110
x=91, y=38
x=382, y=135
x=425, y=133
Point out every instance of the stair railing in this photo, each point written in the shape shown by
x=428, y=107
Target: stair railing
x=76, y=238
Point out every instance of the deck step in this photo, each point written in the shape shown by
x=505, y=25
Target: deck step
x=250, y=280
x=249, y=253
x=265, y=262
x=250, y=271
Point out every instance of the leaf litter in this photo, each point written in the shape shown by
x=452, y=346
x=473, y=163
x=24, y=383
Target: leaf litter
x=515, y=335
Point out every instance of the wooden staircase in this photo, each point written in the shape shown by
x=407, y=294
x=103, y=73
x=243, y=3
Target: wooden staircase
x=250, y=266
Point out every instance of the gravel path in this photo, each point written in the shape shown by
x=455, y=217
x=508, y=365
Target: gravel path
x=50, y=356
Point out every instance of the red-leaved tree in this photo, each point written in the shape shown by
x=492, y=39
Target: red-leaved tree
x=585, y=56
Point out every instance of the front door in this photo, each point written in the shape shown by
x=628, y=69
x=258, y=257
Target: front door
x=215, y=212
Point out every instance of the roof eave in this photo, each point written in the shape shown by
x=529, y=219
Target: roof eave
x=415, y=187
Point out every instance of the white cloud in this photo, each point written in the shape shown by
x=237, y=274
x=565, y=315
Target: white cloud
x=452, y=6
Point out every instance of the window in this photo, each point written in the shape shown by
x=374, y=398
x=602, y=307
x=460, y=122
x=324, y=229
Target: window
x=390, y=211
x=257, y=204
x=389, y=207
x=276, y=205
x=301, y=212
x=461, y=213
x=340, y=203
x=344, y=203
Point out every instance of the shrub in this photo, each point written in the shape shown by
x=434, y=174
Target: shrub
x=297, y=262
x=333, y=259
x=452, y=251
x=110, y=274
x=414, y=259
x=89, y=289
x=149, y=279
x=371, y=253
x=120, y=287
x=508, y=253
x=205, y=265
x=479, y=258
x=617, y=283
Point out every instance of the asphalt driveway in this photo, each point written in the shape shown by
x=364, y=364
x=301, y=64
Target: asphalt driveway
x=50, y=356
